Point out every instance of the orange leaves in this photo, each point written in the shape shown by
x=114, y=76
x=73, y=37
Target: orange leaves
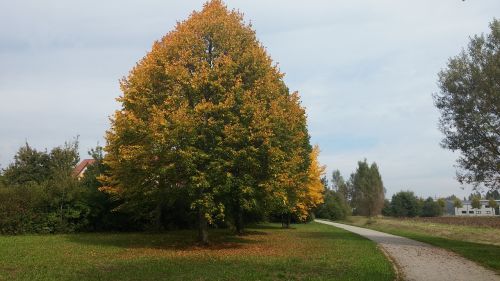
x=207, y=110
x=315, y=186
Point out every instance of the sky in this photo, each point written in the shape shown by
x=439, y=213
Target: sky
x=365, y=70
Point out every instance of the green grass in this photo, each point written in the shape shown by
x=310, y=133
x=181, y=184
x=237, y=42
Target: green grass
x=267, y=252
x=469, y=245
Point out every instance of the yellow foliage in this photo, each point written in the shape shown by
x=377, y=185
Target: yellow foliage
x=207, y=110
x=312, y=195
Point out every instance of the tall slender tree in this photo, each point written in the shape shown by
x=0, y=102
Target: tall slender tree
x=368, y=189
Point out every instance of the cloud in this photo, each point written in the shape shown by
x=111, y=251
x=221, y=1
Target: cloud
x=365, y=71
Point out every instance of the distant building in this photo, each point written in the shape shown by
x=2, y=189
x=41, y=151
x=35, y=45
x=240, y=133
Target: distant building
x=467, y=209
x=80, y=169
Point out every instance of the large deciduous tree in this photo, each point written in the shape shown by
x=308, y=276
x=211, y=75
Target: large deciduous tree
x=469, y=102
x=206, y=116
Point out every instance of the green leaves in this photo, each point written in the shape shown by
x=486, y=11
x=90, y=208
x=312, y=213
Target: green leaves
x=469, y=102
x=206, y=114
x=368, y=189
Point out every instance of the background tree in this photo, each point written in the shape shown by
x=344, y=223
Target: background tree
x=386, y=210
x=29, y=165
x=492, y=194
x=476, y=202
x=368, y=189
x=339, y=185
x=334, y=206
x=207, y=117
x=457, y=203
x=442, y=205
x=493, y=204
x=405, y=204
x=431, y=208
x=469, y=102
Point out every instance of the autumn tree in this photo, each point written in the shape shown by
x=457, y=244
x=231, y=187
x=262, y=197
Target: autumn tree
x=469, y=102
x=207, y=118
x=312, y=194
x=368, y=189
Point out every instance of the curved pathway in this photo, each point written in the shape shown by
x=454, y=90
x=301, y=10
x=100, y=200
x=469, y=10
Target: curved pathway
x=419, y=261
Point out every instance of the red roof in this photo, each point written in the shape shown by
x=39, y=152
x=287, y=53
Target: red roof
x=81, y=166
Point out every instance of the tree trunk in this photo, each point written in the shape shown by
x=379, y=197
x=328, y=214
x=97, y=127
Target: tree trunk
x=202, y=228
x=239, y=221
x=158, y=217
x=287, y=220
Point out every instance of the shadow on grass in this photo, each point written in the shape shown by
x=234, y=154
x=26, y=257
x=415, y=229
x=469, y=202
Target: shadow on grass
x=170, y=240
x=269, y=226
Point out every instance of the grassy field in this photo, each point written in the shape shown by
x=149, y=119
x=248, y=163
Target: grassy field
x=267, y=252
x=486, y=222
x=480, y=244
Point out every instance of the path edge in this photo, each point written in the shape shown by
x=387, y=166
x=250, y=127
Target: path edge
x=395, y=265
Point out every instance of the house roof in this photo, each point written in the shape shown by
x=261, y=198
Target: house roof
x=81, y=166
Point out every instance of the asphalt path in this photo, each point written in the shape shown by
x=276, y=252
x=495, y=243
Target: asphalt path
x=420, y=261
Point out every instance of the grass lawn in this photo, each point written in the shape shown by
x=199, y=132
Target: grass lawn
x=480, y=244
x=306, y=252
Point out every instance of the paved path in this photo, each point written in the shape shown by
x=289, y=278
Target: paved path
x=419, y=261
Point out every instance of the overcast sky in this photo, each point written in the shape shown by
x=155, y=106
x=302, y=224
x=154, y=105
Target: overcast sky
x=365, y=70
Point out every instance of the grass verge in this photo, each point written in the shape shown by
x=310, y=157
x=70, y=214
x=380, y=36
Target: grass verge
x=469, y=245
x=266, y=252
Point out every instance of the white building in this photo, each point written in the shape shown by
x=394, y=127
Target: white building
x=467, y=209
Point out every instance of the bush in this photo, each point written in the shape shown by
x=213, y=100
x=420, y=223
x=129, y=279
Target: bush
x=334, y=207
x=405, y=204
x=46, y=198
x=17, y=210
x=386, y=210
x=431, y=208
x=47, y=207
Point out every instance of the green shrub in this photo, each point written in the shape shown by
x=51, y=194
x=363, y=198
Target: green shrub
x=431, y=208
x=405, y=204
x=334, y=207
